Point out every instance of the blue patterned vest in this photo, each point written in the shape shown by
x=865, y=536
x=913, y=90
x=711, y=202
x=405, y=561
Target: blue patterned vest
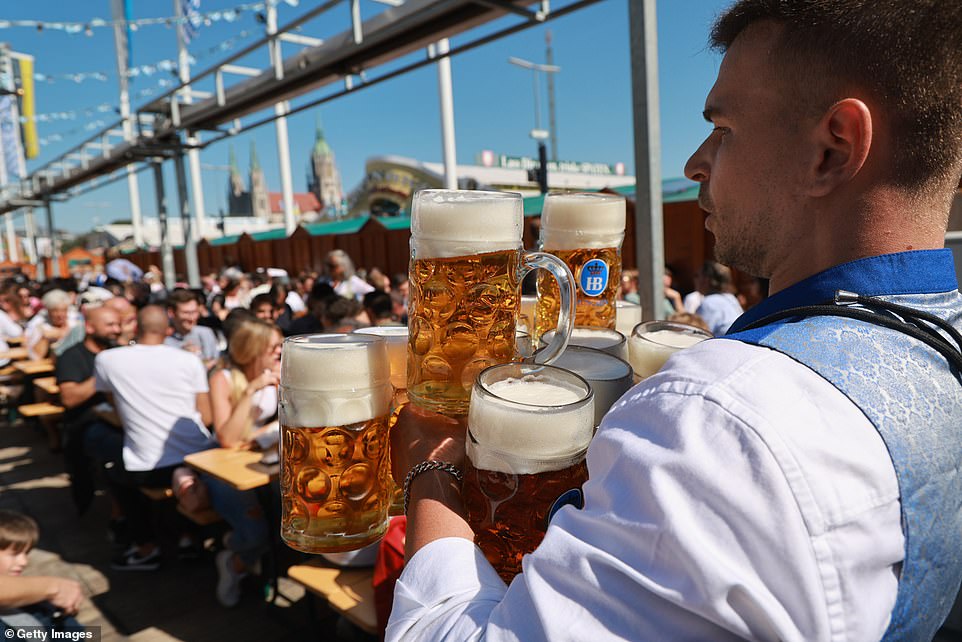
x=910, y=395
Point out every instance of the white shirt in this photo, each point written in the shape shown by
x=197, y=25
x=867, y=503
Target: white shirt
x=719, y=311
x=155, y=390
x=33, y=333
x=353, y=288
x=735, y=494
x=692, y=300
x=8, y=327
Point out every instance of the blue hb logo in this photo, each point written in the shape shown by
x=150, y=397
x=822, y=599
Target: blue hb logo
x=594, y=277
x=573, y=497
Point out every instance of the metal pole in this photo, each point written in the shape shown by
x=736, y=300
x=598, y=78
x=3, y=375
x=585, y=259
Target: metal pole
x=552, y=123
x=280, y=109
x=12, y=238
x=649, y=231
x=54, y=251
x=32, y=254
x=166, y=251
x=193, y=154
x=537, y=99
x=447, y=115
x=190, y=243
x=133, y=188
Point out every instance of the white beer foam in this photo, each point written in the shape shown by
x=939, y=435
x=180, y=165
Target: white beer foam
x=582, y=220
x=610, y=341
x=450, y=223
x=647, y=355
x=333, y=380
x=396, y=337
x=528, y=435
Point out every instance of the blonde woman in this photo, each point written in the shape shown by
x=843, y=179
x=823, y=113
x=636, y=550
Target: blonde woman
x=243, y=391
x=243, y=395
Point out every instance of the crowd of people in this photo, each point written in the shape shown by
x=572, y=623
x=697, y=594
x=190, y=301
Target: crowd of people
x=148, y=376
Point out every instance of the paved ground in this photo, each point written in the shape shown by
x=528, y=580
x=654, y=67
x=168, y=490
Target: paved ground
x=175, y=603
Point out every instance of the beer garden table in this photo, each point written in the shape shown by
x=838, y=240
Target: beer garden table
x=242, y=469
x=42, y=366
x=14, y=354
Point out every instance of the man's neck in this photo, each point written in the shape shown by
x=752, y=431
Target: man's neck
x=151, y=339
x=885, y=222
x=92, y=345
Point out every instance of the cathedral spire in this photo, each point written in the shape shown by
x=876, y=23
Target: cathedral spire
x=232, y=161
x=321, y=148
x=255, y=164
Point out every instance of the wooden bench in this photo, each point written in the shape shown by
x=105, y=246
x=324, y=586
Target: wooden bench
x=348, y=591
x=43, y=409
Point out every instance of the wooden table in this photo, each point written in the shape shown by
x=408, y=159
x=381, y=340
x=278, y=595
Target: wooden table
x=14, y=354
x=242, y=469
x=48, y=385
x=349, y=591
x=43, y=366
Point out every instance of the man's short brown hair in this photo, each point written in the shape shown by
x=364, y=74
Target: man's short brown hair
x=904, y=55
x=179, y=296
x=17, y=531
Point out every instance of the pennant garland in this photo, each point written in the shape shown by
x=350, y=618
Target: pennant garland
x=208, y=18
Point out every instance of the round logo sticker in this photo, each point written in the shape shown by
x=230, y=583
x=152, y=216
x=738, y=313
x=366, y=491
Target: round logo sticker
x=593, y=278
x=574, y=497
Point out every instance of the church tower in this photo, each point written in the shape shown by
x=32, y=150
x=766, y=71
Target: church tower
x=260, y=205
x=238, y=199
x=323, y=178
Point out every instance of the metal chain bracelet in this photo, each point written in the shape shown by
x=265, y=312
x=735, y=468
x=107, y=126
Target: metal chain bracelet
x=423, y=467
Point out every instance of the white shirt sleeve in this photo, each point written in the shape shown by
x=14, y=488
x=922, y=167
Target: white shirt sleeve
x=8, y=327
x=712, y=512
x=101, y=378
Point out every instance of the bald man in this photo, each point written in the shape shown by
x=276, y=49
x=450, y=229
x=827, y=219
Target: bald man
x=161, y=395
x=128, y=318
x=78, y=394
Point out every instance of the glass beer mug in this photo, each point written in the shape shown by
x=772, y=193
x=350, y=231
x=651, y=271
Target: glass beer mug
x=335, y=405
x=528, y=431
x=586, y=231
x=467, y=263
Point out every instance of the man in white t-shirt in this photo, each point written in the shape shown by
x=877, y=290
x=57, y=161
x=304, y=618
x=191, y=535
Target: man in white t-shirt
x=161, y=395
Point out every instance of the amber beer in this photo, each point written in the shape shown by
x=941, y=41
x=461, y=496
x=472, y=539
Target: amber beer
x=528, y=431
x=335, y=404
x=397, y=352
x=465, y=278
x=585, y=230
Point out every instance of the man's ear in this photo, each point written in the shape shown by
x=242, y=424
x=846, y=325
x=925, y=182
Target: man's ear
x=843, y=138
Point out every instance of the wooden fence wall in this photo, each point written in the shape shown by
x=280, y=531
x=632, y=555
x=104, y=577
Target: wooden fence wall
x=687, y=246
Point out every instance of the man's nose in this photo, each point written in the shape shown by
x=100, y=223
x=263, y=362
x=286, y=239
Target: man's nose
x=697, y=168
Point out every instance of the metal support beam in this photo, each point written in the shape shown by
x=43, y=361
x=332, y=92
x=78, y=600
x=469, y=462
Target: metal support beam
x=166, y=251
x=280, y=109
x=447, y=116
x=649, y=230
x=32, y=255
x=52, y=232
x=12, y=238
x=190, y=243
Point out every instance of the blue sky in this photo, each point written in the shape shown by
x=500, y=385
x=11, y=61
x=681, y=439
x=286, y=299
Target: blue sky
x=493, y=100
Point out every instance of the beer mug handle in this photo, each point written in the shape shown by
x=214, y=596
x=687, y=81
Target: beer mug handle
x=566, y=312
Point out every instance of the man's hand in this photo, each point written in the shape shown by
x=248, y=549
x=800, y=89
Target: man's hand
x=65, y=594
x=420, y=435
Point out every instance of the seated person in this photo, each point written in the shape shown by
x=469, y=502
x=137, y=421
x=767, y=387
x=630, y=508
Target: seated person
x=379, y=308
x=78, y=394
x=48, y=602
x=161, y=395
x=243, y=396
x=184, y=311
x=48, y=328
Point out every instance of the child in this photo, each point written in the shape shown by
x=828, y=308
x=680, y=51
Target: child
x=31, y=601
